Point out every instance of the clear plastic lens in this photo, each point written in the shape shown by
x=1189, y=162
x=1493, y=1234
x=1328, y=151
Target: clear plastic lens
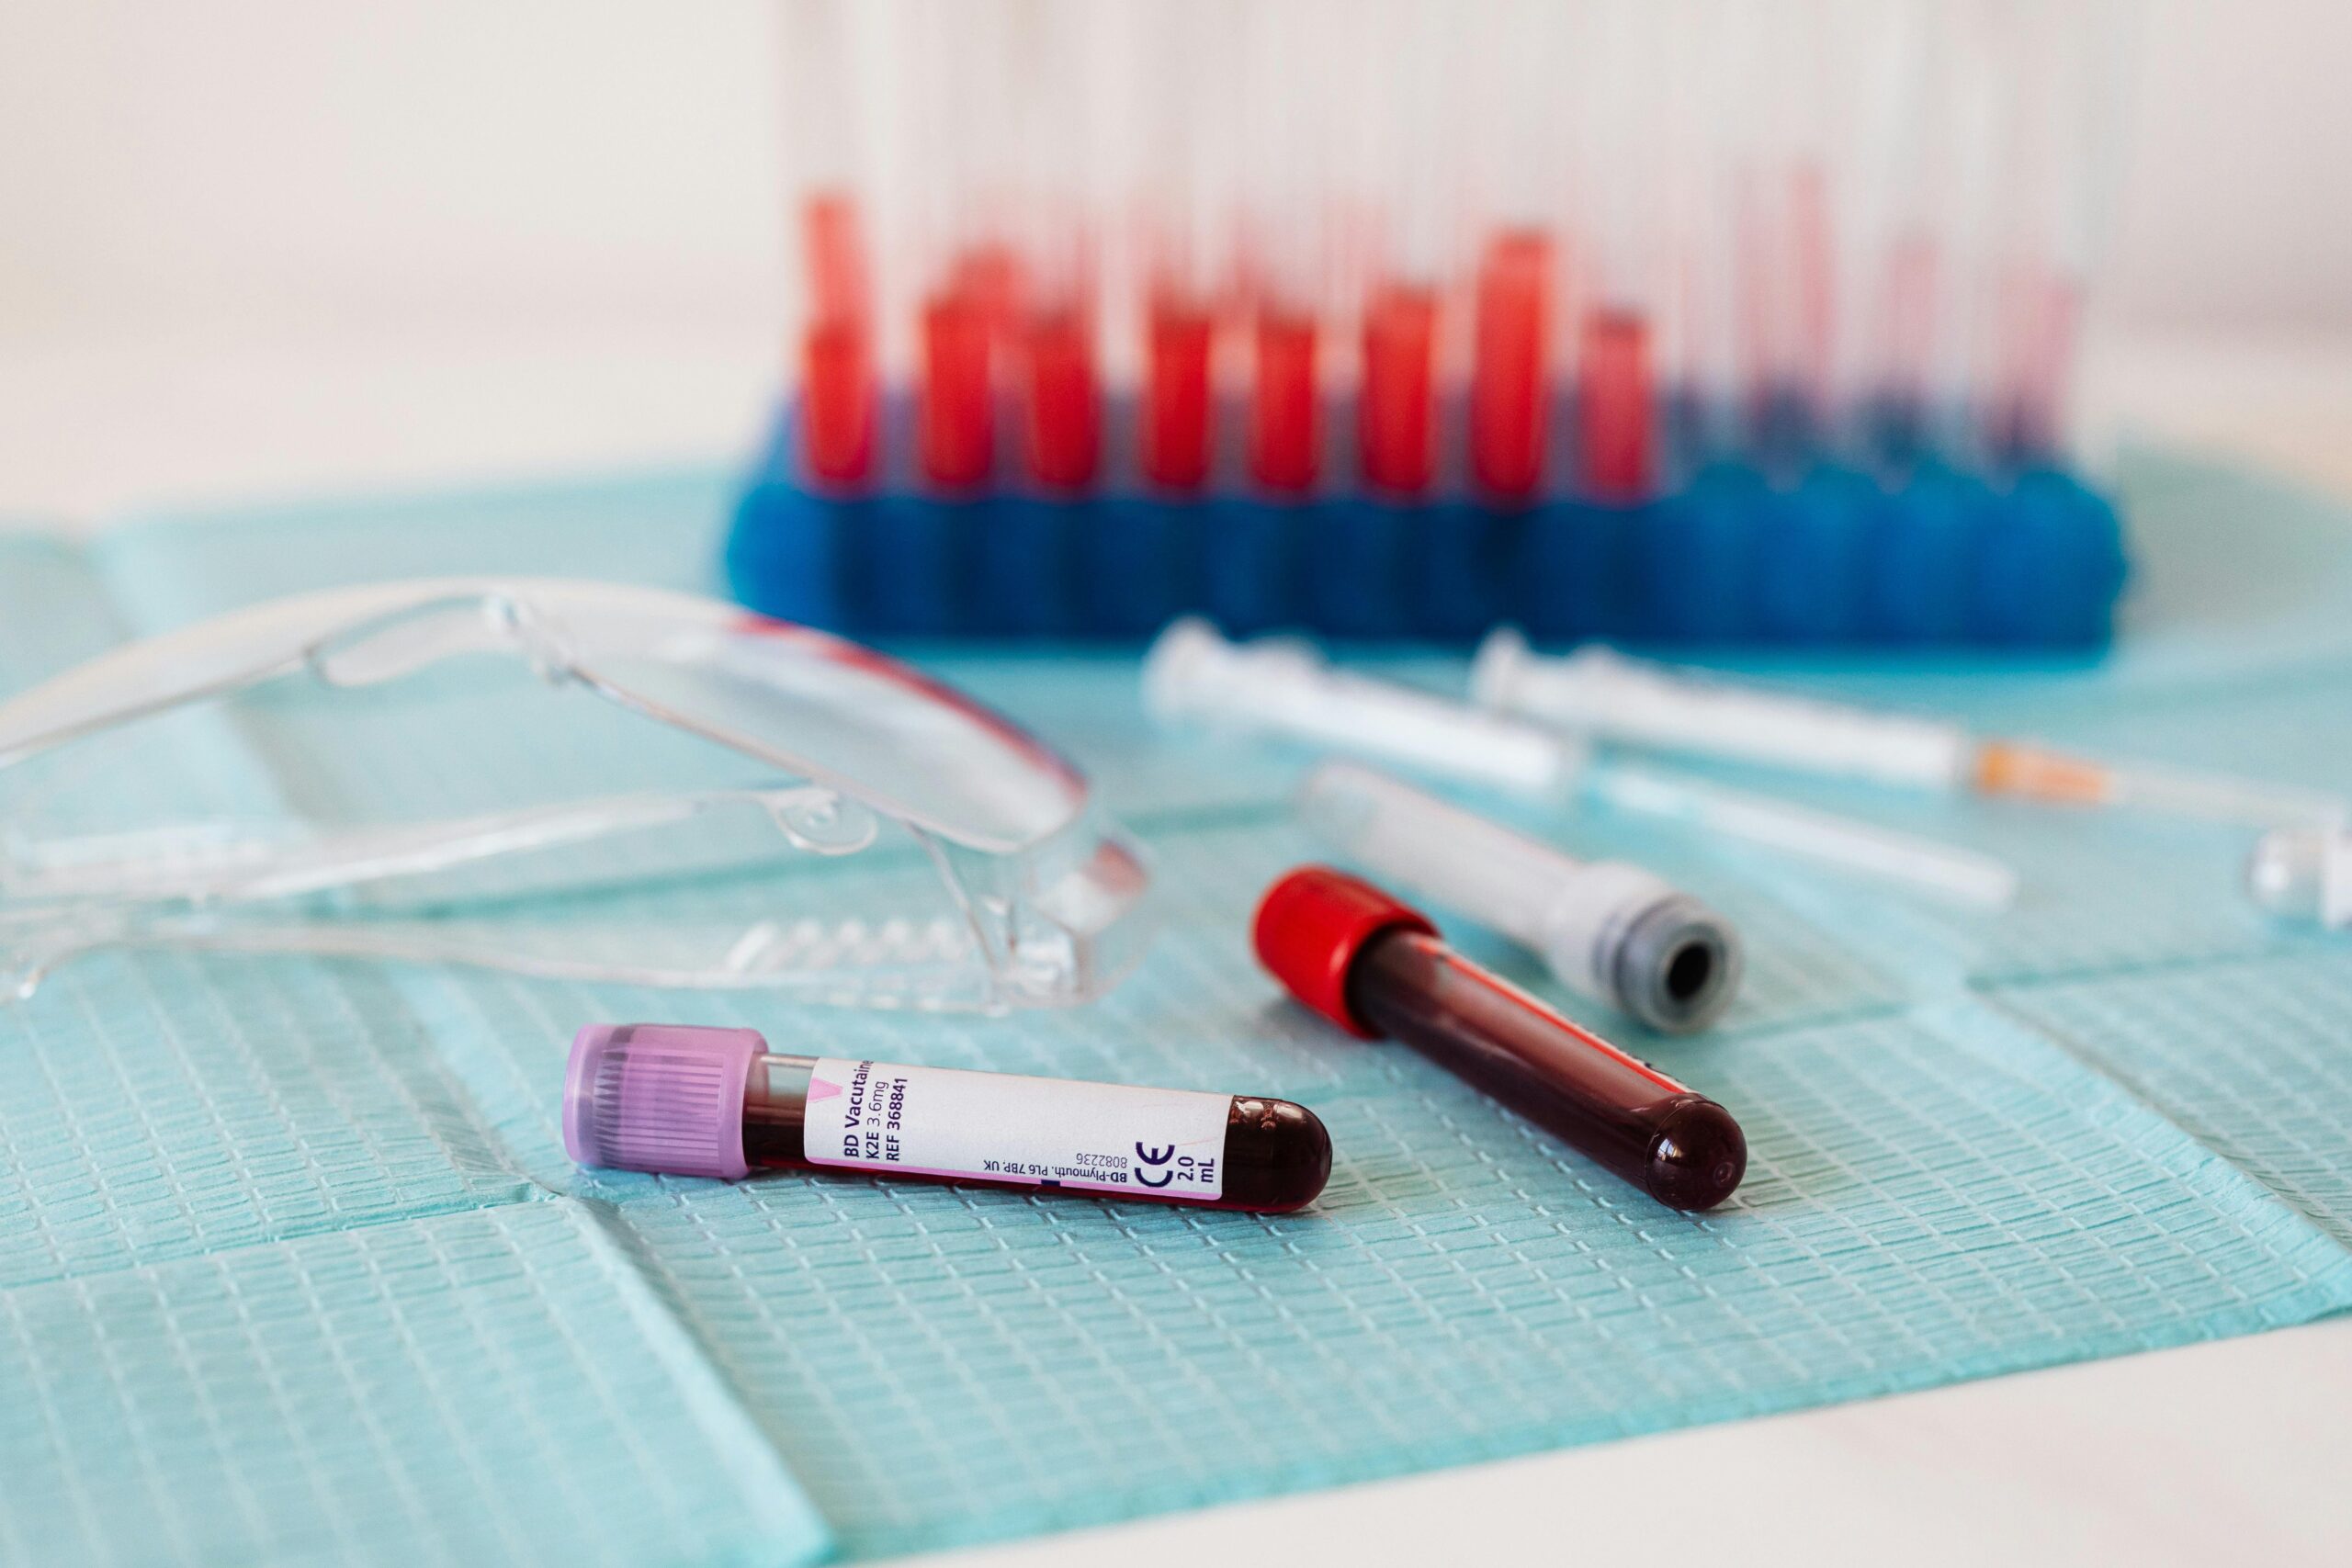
x=723, y=801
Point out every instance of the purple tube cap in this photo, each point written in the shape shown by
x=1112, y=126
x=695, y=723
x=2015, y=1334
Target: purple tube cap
x=659, y=1097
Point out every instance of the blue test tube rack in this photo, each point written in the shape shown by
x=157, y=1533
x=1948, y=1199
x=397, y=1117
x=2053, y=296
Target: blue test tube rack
x=2028, y=559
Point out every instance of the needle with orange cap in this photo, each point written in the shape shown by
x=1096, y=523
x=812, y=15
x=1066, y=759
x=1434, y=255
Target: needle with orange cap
x=1604, y=695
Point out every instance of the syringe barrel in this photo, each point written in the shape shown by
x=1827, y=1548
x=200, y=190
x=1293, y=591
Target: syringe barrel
x=679, y=1099
x=1609, y=697
x=1376, y=967
x=1607, y=928
x=1283, y=689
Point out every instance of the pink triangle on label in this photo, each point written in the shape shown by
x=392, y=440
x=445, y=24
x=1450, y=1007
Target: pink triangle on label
x=819, y=1089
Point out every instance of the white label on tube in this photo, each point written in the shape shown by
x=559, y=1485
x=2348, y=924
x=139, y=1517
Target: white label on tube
x=1089, y=1137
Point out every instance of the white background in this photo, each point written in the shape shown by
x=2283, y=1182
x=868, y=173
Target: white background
x=279, y=245
x=282, y=246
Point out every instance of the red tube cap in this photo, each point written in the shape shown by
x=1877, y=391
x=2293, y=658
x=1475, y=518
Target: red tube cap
x=1310, y=928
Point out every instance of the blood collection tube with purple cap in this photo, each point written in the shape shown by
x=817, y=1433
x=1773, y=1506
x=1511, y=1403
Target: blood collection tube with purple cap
x=701, y=1101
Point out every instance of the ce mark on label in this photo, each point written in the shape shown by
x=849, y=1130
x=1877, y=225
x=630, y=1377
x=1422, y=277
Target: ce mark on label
x=1154, y=1158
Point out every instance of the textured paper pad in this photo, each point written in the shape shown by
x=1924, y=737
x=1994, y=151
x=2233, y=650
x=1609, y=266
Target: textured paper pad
x=292, y=1264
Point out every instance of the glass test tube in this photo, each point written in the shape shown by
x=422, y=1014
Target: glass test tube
x=971, y=285
x=686, y=1101
x=1184, y=103
x=1050, y=47
x=1411, y=116
x=838, y=355
x=1512, y=118
x=1284, y=245
x=1616, y=396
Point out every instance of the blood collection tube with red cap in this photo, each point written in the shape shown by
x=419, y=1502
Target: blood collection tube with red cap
x=1396, y=403
x=1508, y=387
x=1376, y=967
x=688, y=1100
x=1616, y=416
x=1286, y=405
x=838, y=386
x=839, y=358
x=1174, y=445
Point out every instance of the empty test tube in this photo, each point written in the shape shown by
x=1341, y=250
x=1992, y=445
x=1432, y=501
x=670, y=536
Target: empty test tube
x=1286, y=407
x=1376, y=967
x=699, y=1101
x=1616, y=413
x=1509, y=393
x=1404, y=311
x=1174, y=445
x=838, y=355
x=1182, y=61
x=1397, y=408
x=1607, y=928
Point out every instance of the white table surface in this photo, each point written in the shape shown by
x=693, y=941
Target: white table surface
x=2239, y=1452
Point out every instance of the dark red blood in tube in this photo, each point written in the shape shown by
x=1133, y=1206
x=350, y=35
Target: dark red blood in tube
x=1285, y=427
x=1616, y=415
x=837, y=401
x=1064, y=416
x=1277, y=1153
x=1175, y=435
x=1507, y=372
x=957, y=432
x=1375, y=968
x=1395, y=410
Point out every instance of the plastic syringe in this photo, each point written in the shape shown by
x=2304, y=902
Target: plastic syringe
x=1283, y=689
x=1606, y=696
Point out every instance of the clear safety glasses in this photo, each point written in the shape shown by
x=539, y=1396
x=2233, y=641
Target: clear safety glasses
x=766, y=806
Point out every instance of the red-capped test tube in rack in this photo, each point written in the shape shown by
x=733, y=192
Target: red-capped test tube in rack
x=1396, y=404
x=1179, y=389
x=1057, y=377
x=837, y=348
x=1416, y=177
x=837, y=369
x=1286, y=403
x=1509, y=393
x=1622, y=97
x=1182, y=59
x=965, y=318
x=1616, y=405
